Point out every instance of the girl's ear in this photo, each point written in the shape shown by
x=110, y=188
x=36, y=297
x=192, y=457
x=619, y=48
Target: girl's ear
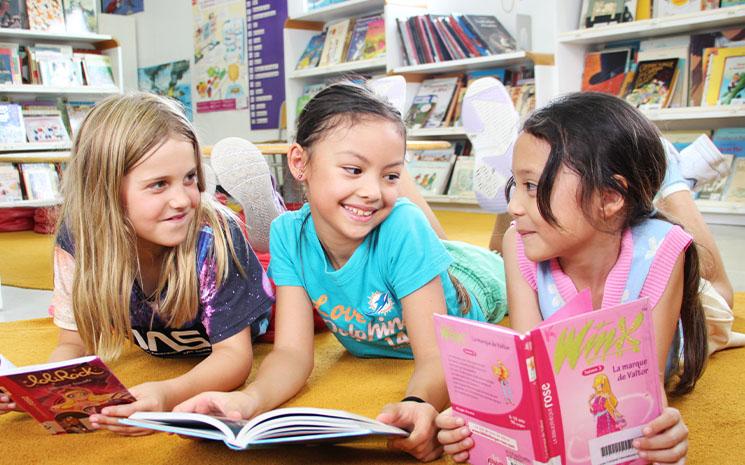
x=612, y=201
x=297, y=160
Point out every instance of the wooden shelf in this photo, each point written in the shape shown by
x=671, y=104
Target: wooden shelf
x=35, y=157
x=655, y=27
x=35, y=146
x=27, y=34
x=38, y=89
x=348, y=67
x=31, y=203
x=341, y=10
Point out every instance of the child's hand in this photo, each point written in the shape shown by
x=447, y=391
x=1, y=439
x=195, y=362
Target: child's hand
x=234, y=405
x=151, y=397
x=454, y=435
x=419, y=418
x=665, y=439
x=7, y=404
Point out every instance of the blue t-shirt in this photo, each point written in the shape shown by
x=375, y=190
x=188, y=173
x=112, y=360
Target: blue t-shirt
x=361, y=301
x=240, y=301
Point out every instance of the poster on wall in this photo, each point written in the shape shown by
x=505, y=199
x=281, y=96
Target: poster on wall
x=220, y=74
x=122, y=7
x=266, y=80
x=169, y=79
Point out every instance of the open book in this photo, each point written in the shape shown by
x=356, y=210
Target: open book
x=281, y=426
x=577, y=389
x=62, y=395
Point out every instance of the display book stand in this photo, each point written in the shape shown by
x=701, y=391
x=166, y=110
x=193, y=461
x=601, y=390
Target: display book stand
x=302, y=25
x=572, y=43
x=54, y=152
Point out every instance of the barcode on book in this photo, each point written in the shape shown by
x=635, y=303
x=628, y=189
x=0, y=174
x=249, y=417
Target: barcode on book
x=615, y=448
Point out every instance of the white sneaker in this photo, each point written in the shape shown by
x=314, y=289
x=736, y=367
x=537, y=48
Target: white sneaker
x=242, y=171
x=702, y=162
x=390, y=88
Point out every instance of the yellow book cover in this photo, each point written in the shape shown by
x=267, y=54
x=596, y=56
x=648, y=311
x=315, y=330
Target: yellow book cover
x=643, y=9
x=717, y=72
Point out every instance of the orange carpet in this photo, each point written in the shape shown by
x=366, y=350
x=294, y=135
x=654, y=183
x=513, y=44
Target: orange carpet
x=26, y=259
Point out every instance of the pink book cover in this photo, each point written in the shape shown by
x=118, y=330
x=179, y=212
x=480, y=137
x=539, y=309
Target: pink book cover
x=599, y=383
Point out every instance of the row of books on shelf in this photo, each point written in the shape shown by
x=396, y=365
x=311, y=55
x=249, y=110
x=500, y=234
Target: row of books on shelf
x=72, y=16
x=705, y=69
x=729, y=141
x=438, y=101
x=30, y=181
x=443, y=171
x=53, y=65
x=41, y=122
x=345, y=40
x=595, y=13
x=433, y=38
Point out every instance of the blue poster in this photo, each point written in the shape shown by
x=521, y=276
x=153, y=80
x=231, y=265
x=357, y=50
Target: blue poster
x=122, y=7
x=265, y=21
x=169, y=79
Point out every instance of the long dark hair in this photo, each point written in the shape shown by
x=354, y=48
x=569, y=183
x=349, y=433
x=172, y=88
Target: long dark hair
x=611, y=146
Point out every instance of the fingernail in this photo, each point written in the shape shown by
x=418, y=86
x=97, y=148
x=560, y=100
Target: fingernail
x=94, y=418
x=642, y=454
x=464, y=430
x=459, y=421
x=636, y=443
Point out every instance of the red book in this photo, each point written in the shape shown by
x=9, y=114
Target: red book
x=422, y=33
x=463, y=37
x=61, y=396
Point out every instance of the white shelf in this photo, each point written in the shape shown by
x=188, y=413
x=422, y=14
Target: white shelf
x=679, y=24
x=38, y=89
x=32, y=157
x=452, y=199
x=437, y=132
x=720, y=212
x=20, y=34
x=466, y=64
x=698, y=117
x=34, y=147
x=362, y=65
x=339, y=10
x=31, y=203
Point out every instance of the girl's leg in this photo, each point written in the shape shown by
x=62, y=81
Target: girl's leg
x=242, y=171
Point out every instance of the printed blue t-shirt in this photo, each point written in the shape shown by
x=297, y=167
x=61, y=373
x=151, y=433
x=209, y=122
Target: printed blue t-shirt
x=361, y=301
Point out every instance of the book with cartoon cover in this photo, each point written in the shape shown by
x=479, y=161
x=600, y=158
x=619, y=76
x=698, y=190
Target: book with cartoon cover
x=654, y=84
x=46, y=15
x=575, y=390
x=61, y=396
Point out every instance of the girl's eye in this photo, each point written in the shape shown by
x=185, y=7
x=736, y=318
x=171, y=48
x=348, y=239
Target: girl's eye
x=157, y=185
x=531, y=187
x=393, y=177
x=352, y=170
x=191, y=178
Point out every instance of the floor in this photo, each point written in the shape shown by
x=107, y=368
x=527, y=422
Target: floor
x=20, y=304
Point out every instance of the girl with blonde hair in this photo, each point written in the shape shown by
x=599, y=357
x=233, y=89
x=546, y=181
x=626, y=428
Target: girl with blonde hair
x=142, y=257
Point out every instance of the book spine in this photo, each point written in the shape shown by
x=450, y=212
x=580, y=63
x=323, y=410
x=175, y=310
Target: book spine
x=414, y=36
x=444, y=55
x=405, y=47
x=480, y=34
x=473, y=36
x=548, y=401
x=462, y=38
x=424, y=37
x=450, y=43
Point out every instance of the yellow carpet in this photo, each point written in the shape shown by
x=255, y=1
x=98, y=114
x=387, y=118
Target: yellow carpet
x=26, y=259
x=474, y=228
x=715, y=413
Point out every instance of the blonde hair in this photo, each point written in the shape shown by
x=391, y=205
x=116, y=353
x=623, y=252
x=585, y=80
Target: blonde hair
x=611, y=402
x=112, y=139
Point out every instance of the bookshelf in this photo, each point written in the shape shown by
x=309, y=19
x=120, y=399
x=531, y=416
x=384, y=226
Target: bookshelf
x=302, y=25
x=54, y=152
x=572, y=43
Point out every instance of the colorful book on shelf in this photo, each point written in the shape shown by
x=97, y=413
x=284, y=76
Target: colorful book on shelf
x=97, y=70
x=13, y=15
x=715, y=190
x=726, y=3
x=442, y=89
x=420, y=110
x=356, y=48
x=735, y=190
x=312, y=53
x=670, y=47
x=430, y=177
x=456, y=32
x=653, y=84
x=12, y=129
x=10, y=188
x=730, y=140
x=442, y=53
x=309, y=90
x=492, y=33
x=40, y=181
x=75, y=113
x=334, y=42
x=46, y=15
x=473, y=37
x=10, y=65
x=293, y=425
x=461, y=181
x=57, y=69
x=575, y=390
x=605, y=70
x=662, y=8
x=447, y=154
x=375, y=46
x=716, y=70
x=80, y=16
x=698, y=43
x=600, y=12
x=732, y=89
x=61, y=396
x=45, y=128
x=407, y=47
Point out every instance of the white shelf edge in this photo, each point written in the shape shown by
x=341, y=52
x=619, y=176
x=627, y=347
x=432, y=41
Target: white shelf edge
x=452, y=199
x=31, y=203
x=466, y=63
x=340, y=10
x=56, y=36
x=54, y=90
x=457, y=131
x=645, y=28
x=362, y=65
x=696, y=113
x=35, y=147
